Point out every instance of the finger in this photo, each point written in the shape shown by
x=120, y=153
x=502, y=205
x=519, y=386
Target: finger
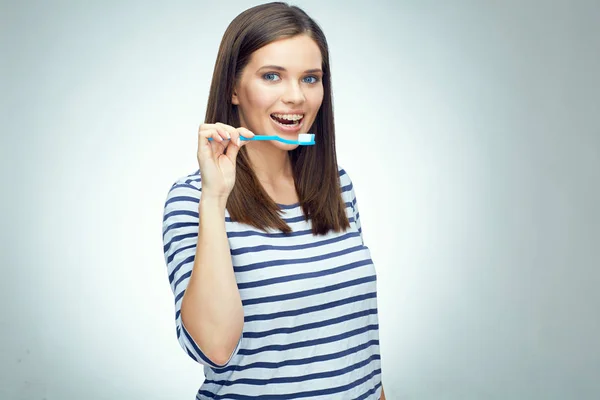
x=245, y=133
x=204, y=147
x=218, y=148
x=210, y=132
x=228, y=129
x=223, y=133
x=208, y=148
x=236, y=145
x=231, y=131
x=232, y=152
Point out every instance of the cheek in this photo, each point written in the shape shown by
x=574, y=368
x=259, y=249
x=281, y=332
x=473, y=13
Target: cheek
x=261, y=98
x=315, y=99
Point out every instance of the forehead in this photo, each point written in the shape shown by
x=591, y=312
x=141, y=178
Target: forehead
x=296, y=53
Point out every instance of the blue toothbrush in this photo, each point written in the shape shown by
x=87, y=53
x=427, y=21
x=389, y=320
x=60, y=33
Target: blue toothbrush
x=304, y=139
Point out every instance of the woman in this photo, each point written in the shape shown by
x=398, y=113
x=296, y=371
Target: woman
x=275, y=292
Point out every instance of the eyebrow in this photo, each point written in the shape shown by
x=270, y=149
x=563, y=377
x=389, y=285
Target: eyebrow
x=279, y=68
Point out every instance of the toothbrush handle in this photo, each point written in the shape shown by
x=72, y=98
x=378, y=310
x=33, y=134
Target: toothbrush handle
x=260, y=137
x=257, y=137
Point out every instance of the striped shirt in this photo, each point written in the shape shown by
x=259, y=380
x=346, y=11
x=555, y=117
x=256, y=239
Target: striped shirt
x=310, y=304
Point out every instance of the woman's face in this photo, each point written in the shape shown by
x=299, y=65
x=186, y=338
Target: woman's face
x=281, y=90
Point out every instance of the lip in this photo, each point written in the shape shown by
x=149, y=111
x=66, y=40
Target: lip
x=289, y=112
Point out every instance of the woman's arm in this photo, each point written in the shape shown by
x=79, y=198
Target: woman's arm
x=382, y=394
x=211, y=308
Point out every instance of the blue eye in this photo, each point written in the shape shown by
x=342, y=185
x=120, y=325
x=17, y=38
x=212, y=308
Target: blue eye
x=315, y=79
x=268, y=75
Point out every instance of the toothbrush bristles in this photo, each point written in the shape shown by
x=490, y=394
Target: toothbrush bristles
x=306, y=137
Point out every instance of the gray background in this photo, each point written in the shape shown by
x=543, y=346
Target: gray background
x=470, y=130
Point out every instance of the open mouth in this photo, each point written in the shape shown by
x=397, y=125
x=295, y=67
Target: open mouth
x=288, y=120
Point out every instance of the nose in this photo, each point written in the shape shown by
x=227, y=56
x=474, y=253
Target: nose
x=293, y=94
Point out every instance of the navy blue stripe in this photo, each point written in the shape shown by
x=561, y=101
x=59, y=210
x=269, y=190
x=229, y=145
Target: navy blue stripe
x=306, y=293
x=191, y=355
x=301, y=361
x=247, y=249
x=312, y=393
x=182, y=198
x=197, y=349
x=320, y=257
x=269, y=235
x=279, y=279
x=243, y=250
x=307, y=275
x=179, y=297
x=287, y=220
x=182, y=277
x=347, y=188
x=186, y=185
x=204, y=358
x=292, y=379
x=308, y=343
x=179, y=238
x=312, y=325
x=369, y=392
x=179, y=250
x=195, y=177
x=179, y=225
x=178, y=267
x=288, y=206
x=193, y=214
x=319, y=307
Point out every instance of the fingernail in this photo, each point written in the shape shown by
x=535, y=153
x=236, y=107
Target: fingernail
x=239, y=143
x=228, y=135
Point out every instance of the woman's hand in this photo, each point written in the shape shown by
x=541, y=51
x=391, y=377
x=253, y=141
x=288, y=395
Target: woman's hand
x=216, y=158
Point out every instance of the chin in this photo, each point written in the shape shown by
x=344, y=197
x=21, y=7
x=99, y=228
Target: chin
x=285, y=146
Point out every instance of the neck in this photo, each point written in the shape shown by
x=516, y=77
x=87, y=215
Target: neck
x=270, y=164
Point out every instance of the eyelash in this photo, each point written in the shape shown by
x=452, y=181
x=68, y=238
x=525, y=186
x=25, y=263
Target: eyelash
x=316, y=78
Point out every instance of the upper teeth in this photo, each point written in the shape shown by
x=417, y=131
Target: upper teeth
x=291, y=117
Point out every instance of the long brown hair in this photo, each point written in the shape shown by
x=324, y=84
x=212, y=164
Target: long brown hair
x=315, y=168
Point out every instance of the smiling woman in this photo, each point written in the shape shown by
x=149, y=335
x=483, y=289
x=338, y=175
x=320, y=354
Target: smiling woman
x=284, y=98
x=275, y=290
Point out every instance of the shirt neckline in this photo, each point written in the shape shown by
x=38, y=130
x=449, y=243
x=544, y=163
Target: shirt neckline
x=287, y=206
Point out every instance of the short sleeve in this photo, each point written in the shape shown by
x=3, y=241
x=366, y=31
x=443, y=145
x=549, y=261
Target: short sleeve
x=349, y=195
x=180, y=235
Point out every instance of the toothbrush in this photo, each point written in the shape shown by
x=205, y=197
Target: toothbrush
x=304, y=139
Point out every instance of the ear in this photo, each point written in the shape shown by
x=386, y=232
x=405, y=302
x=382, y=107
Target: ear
x=234, y=98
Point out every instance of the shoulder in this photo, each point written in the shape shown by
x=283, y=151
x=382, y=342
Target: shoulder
x=345, y=181
x=193, y=179
x=184, y=192
x=191, y=184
